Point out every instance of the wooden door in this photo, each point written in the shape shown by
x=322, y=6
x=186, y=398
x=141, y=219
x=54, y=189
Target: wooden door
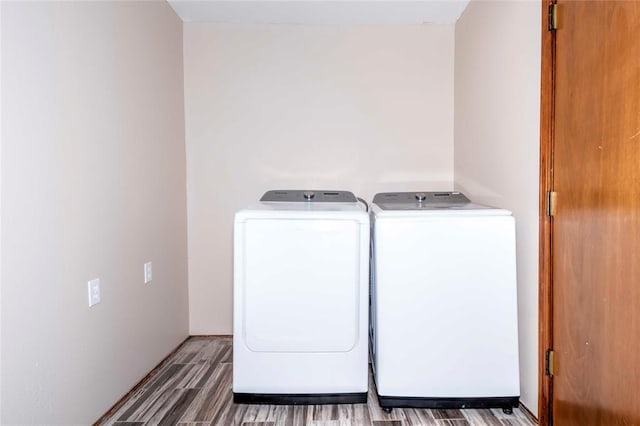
x=596, y=230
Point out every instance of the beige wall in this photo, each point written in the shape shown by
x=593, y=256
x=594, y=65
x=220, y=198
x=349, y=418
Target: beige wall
x=364, y=108
x=93, y=185
x=497, y=92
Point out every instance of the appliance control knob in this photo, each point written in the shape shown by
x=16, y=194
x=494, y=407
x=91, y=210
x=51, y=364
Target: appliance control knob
x=308, y=195
x=421, y=196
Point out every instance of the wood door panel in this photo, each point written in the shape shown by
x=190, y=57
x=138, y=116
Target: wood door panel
x=596, y=232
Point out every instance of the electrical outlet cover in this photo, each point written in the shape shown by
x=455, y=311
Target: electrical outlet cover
x=93, y=287
x=148, y=272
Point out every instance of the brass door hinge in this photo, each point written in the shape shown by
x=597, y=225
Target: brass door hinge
x=549, y=363
x=552, y=202
x=553, y=17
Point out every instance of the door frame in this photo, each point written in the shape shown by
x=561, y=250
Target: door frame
x=545, y=301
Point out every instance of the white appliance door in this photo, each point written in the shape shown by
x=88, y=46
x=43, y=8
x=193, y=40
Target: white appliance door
x=447, y=307
x=301, y=285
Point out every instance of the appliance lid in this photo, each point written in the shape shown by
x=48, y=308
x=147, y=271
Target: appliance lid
x=308, y=196
x=425, y=201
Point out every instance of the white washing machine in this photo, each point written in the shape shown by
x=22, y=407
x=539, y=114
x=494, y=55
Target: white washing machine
x=444, y=325
x=301, y=289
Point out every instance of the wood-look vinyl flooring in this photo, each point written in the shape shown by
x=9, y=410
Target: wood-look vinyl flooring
x=193, y=388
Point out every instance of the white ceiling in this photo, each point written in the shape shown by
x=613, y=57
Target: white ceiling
x=320, y=12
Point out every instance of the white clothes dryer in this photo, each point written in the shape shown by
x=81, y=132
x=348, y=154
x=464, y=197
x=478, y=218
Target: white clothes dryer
x=301, y=289
x=444, y=324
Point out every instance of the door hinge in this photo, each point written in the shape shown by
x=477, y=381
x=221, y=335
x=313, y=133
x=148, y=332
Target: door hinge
x=548, y=362
x=552, y=201
x=553, y=17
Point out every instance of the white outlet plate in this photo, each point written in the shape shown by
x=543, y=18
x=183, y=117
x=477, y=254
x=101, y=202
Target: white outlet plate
x=148, y=272
x=93, y=287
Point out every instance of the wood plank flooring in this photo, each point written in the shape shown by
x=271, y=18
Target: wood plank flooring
x=193, y=388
